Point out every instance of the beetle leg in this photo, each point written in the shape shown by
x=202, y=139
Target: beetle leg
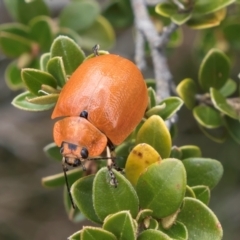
x=65, y=169
x=110, y=145
x=113, y=179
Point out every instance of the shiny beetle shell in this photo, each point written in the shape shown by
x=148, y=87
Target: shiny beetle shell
x=112, y=91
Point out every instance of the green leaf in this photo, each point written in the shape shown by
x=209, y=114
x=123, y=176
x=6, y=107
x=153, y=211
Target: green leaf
x=82, y=192
x=121, y=224
x=142, y=214
x=16, y=29
x=53, y=151
x=176, y=152
x=155, y=133
x=59, y=179
x=8, y=40
x=166, y=9
x=43, y=61
x=151, y=83
x=173, y=104
x=214, y=70
x=44, y=37
x=218, y=135
x=172, y=11
x=190, y=151
x=199, y=220
x=13, y=76
x=177, y=231
x=228, y=88
x=207, y=21
x=187, y=90
x=221, y=104
x=202, y=193
x=151, y=234
x=55, y=67
x=75, y=236
x=119, y=13
x=94, y=233
x=113, y=199
x=20, y=102
x=100, y=32
x=189, y=192
x=205, y=6
x=161, y=187
x=155, y=110
x=152, y=98
x=79, y=15
x=34, y=79
x=232, y=126
x=203, y=171
x=23, y=11
x=151, y=223
x=207, y=116
x=43, y=100
x=71, y=53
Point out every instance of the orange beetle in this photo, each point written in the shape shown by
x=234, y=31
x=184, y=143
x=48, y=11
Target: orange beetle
x=102, y=103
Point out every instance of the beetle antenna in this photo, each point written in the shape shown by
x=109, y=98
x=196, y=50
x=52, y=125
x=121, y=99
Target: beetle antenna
x=67, y=184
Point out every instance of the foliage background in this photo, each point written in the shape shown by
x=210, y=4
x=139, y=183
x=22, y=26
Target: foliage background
x=27, y=210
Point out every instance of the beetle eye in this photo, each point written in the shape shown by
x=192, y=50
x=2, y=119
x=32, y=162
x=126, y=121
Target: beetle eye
x=84, y=152
x=84, y=114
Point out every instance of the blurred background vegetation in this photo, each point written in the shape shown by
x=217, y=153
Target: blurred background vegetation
x=28, y=211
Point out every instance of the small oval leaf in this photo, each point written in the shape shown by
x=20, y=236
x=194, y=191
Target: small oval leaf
x=221, y=104
x=121, y=224
x=161, y=187
x=55, y=67
x=207, y=116
x=59, y=179
x=177, y=231
x=232, y=126
x=34, y=79
x=151, y=234
x=82, y=192
x=203, y=171
x=43, y=100
x=79, y=15
x=71, y=53
x=202, y=193
x=173, y=104
x=101, y=32
x=214, y=70
x=44, y=37
x=21, y=44
x=199, y=220
x=21, y=103
x=93, y=233
x=228, y=88
x=13, y=76
x=187, y=90
x=190, y=151
x=155, y=133
x=53, y=151
x=112, y=199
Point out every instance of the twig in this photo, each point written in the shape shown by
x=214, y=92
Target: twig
x=157, y=43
